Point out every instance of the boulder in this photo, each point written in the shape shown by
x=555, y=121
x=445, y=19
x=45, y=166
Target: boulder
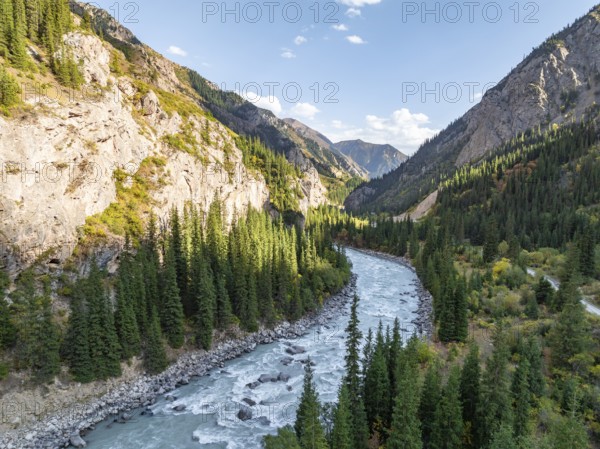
x=245, y=414
x=77, y=441
x=249, y=401
x=264, y=378
x=179, y=408
x=295, y=349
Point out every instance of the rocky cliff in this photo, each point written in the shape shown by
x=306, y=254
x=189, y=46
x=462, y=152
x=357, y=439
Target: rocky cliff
x=557, y=82
x=135, y=139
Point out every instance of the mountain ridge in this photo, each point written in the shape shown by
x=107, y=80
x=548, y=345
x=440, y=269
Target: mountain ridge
x=557, y=82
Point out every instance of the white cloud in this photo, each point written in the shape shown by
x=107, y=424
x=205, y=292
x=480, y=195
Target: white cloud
x=300, y=40
x=340, y=27
x=174, y=50
x=359, y=3
x=271, y=103
x=356, y=40
x=353, y=12
x=305, y=111
x=404, y=130
x=287, y=53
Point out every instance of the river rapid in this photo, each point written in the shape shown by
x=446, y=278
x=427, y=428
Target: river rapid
x=205, y=413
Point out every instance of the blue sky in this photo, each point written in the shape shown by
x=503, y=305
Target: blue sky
x=386, y=71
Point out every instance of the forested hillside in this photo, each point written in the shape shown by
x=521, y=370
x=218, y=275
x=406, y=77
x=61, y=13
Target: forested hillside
x=178, y=286
x=556, y=83
x=514, y=363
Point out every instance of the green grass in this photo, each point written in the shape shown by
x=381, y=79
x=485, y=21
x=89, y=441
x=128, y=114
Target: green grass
x=126, y=214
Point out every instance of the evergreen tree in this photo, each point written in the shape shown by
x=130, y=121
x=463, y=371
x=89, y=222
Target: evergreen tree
x=125, y=317
x=470, y=394
x=503, y=439
x=495, y=392
x=533, y=353
x=448, y=425
x=430, y=397
x=490, y=247
x=377, y=386
x=155, y=359
x=77, y=346
x=308, y=426
x=521, y=398
x=405, y=431
x=285, y=439
x=103, y=340
x=342, y=434
x=171, y=309
x=9, y=89
x=570, y=336
x=353, y=379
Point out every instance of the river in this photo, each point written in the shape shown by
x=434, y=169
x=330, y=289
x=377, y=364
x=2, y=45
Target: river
x=388, y=290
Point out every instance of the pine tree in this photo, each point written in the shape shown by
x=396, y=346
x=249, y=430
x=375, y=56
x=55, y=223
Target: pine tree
x=125, y=319
x=342, y=434
x=503, y=439
x=571, y=334
x=353, y=379
x=285, y=439
x=533, y=353
x=521, y=399
x=45, y=358
x=76, y=344
x=430, y=397
x=171, y=309
x=470, y=394
x=495, y=392
x=490, y=247
x=155, y=359
x=448, y=425
x=9, y=89
x=377, y=386
x=405, y=431
x=308, y=426
x=102, y=336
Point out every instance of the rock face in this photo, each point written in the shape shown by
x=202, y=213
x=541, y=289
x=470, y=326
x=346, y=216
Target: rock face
x=376, y=160
x=58, y=159
x=557, y=82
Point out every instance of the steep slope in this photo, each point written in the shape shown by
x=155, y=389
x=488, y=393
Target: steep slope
x=557, y=82
x=377, y=160
x=86, y=165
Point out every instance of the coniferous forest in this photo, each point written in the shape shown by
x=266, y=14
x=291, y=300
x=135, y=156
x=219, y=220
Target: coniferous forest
x=518, y=364
x=185, y=282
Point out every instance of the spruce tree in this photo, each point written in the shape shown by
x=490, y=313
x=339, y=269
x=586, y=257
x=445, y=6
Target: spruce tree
x=490, y=247
x=353, y=379
x=125, y=319
x=470, y=394
x=8, y=332
x=377, y=387
x=308, y=426
x=155, y=359
x=171, y=308
x=342, y=434
x=503, y=439
x=9, y=89
x=430, y=397
x=448, y=427
x=495, y=392
x=104, y=343
x=76, y=344
x=405, y=431
x=285, y=439
x=521, y=399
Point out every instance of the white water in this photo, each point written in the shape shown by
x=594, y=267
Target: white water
x=387, y=291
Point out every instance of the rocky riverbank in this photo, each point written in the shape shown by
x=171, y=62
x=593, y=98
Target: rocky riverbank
x=69, y=426
x=424, y=320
